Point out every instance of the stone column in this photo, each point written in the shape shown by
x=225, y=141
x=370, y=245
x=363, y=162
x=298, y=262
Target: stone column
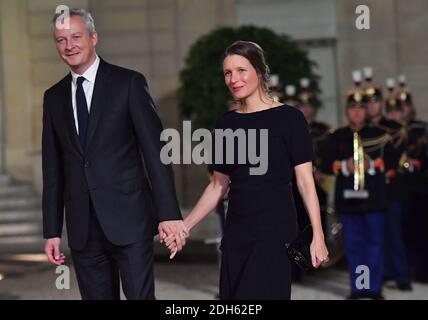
x=16, y=117
x=1, y=100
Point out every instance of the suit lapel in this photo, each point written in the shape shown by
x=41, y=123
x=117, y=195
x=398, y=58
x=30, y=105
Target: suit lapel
x=98, y=100
x=69, y=116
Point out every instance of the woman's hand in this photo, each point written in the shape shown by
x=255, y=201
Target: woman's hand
x=319, y=252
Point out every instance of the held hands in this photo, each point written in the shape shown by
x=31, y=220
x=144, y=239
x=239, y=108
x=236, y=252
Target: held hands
x=173, y=234
x=319, y=252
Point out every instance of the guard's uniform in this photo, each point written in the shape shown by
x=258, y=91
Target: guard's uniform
x=395, y=259
x=362, y=219
x=415, y=166
x=319, y=132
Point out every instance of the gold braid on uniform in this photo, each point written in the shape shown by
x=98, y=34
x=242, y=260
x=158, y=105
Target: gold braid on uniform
x=398, y=137
x=372, y=144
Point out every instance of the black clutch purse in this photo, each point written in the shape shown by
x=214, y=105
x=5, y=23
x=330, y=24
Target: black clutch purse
x=299, y=250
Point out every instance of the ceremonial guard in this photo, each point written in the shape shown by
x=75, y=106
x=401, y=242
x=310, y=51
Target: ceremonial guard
x=395, y=260
x=415, y=165
x=290, y=95
x=393, y=106
x=319, y=131
x=359, y=155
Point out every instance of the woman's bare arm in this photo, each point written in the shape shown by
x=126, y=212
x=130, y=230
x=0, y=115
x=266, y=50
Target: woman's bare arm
x=306, y=187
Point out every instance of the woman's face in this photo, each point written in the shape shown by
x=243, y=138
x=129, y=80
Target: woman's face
x=240, y=76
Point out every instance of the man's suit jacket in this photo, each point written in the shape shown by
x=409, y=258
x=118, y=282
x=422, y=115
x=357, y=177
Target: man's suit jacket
x=123, y=131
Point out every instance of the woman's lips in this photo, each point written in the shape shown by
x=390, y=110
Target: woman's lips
x=236, y=89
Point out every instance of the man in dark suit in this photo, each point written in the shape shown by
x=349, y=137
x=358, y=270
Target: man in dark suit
x=101, y=161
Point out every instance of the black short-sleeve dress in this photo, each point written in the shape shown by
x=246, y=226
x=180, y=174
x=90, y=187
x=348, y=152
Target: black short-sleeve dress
x=261, y=215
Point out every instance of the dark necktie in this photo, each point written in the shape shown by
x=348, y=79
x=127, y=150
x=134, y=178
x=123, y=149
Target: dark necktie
x=82, y=112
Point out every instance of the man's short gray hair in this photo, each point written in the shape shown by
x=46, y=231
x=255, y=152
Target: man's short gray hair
x=85, y=15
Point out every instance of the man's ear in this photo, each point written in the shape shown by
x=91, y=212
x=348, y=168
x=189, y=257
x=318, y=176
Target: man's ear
x=94, y=38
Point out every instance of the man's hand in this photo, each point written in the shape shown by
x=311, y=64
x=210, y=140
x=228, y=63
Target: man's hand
x=176, y=232
x=52, y=251
x=350, y=164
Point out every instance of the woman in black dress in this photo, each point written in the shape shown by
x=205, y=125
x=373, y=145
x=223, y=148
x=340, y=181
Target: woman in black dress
x=261, y=216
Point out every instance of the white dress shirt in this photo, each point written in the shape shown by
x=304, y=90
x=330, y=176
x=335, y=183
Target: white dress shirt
x=88, y=87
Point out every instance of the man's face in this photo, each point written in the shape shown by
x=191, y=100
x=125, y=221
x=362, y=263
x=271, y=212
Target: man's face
x=394, y=115
x=356, y=115
x=374, y=109
x=408, y=112
x=75, y=45
x=307, y=111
